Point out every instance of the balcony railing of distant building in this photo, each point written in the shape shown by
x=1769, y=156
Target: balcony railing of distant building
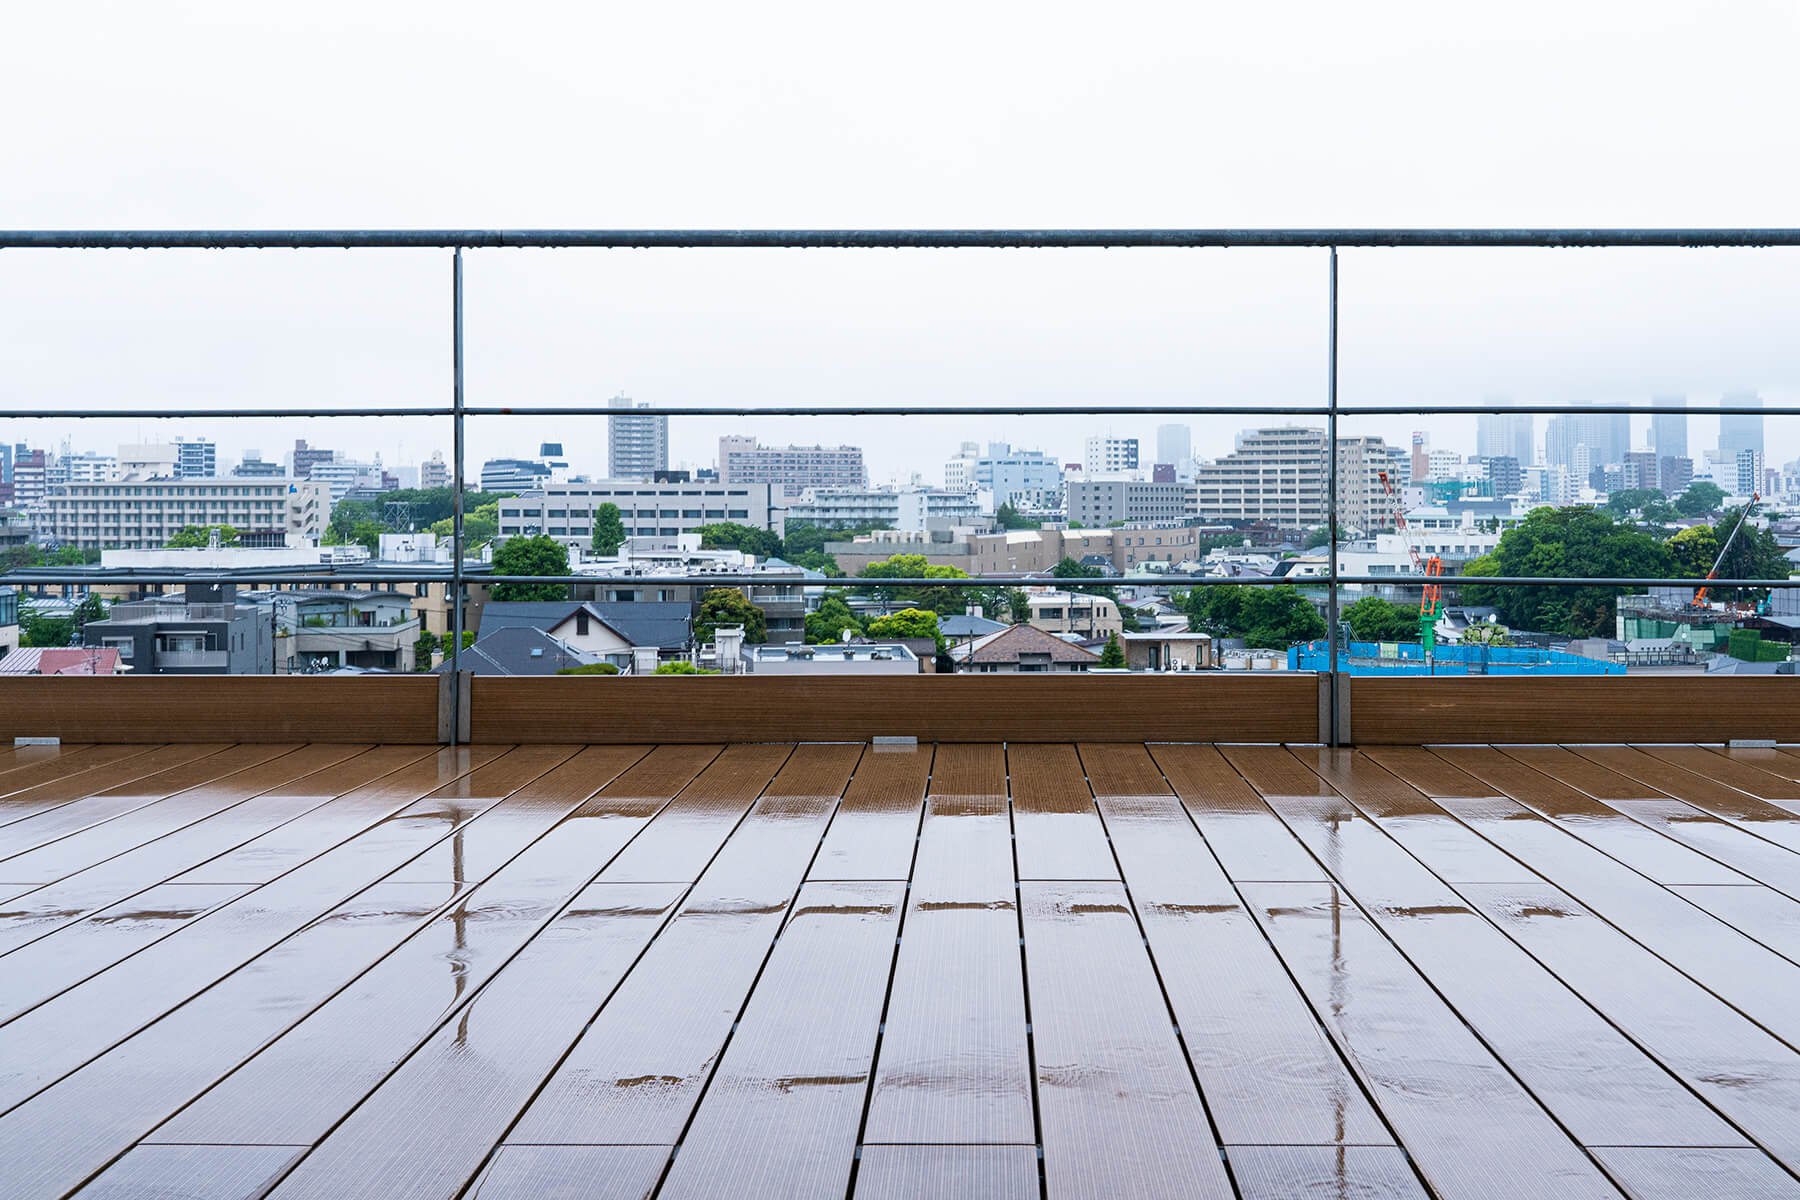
x=1331, y=241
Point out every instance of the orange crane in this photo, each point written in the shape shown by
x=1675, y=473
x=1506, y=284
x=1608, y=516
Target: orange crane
x=1699, y=600
x=1431, y=603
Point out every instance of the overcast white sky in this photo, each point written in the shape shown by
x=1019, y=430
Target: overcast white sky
x=217, y=116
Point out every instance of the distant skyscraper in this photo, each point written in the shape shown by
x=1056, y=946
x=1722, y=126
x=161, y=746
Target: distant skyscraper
x=1743, y=432
x=1669, y=431
x=1175, y=446
x=1504, y=477
x=1505, y=435
x=637, y=446
x=1605, y=436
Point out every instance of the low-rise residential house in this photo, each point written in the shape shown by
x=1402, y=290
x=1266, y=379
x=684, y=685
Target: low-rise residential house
x=320, y=630
x=1022, y=649
x=9, y=621
x=959, y=629
x=836, y=658
x=1075, y=612
x=1168, y=650
x=204, y=632
x=599, y=632
x=521, y=650
x=66, y=660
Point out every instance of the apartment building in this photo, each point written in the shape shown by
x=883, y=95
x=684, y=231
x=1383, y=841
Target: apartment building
x=637, y=445
x=196, y=458
x=144, y=514
x=1102, y=502
x=891, y=508
x=1280, y=476
x=793, y=469
x=1022, y=478
x=203, y=632
x=1036, y=551
x=565, y=511
x=1109, y=456
x=434, y=472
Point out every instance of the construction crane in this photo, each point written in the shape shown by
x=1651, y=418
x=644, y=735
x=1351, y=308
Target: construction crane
x=1431, y=602
x=1699, y=600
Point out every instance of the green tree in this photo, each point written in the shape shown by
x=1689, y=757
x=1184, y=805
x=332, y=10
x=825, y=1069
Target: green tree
x=480, y=525
x=1487, y=633
x=1373, y=619
x=1700, y=500
x=763, y=543
x=1018, y=606
x=1113, y=656
x=828, y=622
x=424, y=646
x=916, y=566
x=728, y=606
x=538, y=555
x=609, y=529
x=91, y=608
x=600, y=668
x=1008, y=517
x=198, y=537
x=1694, y=550
x=1626, y=501
x=1570, y=542
x=681, y=668
x=1272, y=617
x=909, y=623
x=38, y=628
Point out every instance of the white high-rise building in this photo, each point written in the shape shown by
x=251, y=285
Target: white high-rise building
x=1003, y=471
x=1109, y=456
x=1280, y=475
x=1509, y=435
x=637, y=446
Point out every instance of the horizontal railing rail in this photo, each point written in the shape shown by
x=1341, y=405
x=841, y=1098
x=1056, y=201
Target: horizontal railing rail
x=1334, y=410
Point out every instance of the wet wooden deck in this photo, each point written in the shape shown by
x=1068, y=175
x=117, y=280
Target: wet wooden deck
x=827, y=970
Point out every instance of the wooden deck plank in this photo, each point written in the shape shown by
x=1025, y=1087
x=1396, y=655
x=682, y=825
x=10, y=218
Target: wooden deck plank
x=197, y=791
x=1469, y=1126
x=913, y=1172
x=779, y=1117
x=48, y=763
x=42, y=908
x=1556, y=786
x=1690, y=1174
x=1758, y=912
x=1745, y=973
x=1118, y=1106
x=406, y=781
x=1056, y=828
x=297, y=1089
x=639, y=1068
x=1766, y=820
x=75, y=1127
x=1599, y=1086
x=27, y=807
x=1741, y=852
x=433, y=1123
x=573, y=1173
x=688, y=832
x=55, y=1038
x=1737, y=1067
x=1296, y=1172
x=1735, y=771
x=44, y=968
x=872, y=835
x=954, y=1064
x=1269, y=1074
x=190, y=1173
x=1250, y=841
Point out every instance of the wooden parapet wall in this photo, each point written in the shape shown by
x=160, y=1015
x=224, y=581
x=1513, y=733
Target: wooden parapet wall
x=950, y=708
x=1410, y=710
x=223, y=708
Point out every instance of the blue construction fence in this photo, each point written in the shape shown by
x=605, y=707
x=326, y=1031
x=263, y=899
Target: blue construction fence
x=1408, y=658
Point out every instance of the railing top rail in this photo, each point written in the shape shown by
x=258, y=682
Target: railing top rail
x=475, y=239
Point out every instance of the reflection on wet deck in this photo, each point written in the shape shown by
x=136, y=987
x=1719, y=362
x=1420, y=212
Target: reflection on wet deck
x=1250, y=972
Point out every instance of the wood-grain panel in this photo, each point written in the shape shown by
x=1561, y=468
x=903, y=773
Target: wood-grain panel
x=950, y=708
x=1413, y=710
x=223, y=708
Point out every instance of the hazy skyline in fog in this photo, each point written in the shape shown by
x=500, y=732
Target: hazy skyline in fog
x=213, y=116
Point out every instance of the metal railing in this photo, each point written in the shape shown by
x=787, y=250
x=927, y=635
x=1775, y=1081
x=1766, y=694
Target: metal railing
x=458, y=410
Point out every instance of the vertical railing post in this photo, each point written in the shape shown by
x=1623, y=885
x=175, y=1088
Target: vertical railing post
x=1331, y=469
x=456, y=494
